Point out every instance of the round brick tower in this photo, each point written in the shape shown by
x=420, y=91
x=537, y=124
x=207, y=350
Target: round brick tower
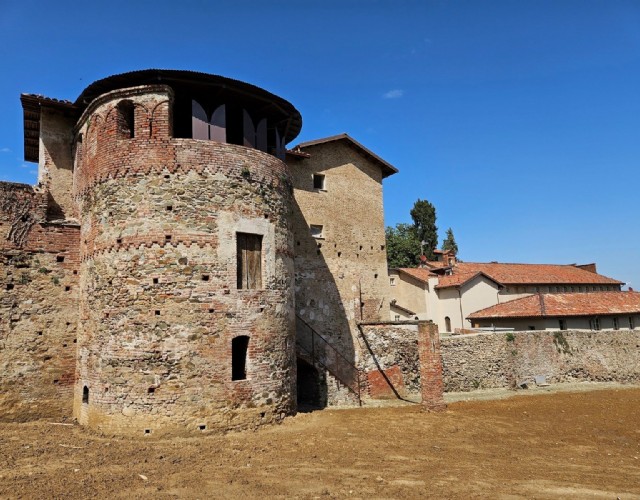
x=186, y=298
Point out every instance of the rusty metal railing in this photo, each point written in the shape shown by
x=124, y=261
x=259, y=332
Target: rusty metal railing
x=322, y=352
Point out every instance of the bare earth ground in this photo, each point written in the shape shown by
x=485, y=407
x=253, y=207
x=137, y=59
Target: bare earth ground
x=556, y=445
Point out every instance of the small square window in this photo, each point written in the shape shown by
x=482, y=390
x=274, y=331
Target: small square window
x=316, y=231
x=318, y=181
x=392, y=281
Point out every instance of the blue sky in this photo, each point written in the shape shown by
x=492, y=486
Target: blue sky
x=518, y=120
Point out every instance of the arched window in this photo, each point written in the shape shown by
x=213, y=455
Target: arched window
x=239, y=346
x=447, y=324
x=125, y=120
x=85, y=395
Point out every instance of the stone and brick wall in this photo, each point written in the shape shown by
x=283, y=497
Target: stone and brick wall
x=38, y=307
x=159, y=301
x=341, y=278
x=495, y=360
x=390, y=364
x=488, y=360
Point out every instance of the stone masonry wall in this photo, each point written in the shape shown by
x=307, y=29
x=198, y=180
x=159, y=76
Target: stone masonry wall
x=341, y=278
x=159, y=303
x=38, y=307
x=390, y=364
x=488, y=360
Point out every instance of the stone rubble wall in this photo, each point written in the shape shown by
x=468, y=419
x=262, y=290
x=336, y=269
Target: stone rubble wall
x=492, y=360
x=38, y=308
x=159, y=301
x=496, y=360
x=390, y=354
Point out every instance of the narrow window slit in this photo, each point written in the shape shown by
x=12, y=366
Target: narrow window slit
x=239, y=347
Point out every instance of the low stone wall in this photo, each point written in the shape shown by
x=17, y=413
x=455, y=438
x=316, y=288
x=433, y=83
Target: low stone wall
x=491, y=360
x=389, y=362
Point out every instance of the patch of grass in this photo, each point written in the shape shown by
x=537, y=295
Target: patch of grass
x=561, y=343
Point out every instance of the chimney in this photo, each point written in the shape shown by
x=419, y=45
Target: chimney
x=588, y=267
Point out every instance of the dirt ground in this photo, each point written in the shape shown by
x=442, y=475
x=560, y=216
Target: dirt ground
x=561, y=445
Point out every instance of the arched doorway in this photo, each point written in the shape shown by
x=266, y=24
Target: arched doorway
x=312, y=388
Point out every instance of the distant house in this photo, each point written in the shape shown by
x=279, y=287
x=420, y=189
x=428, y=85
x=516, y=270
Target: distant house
x=562, y=311
x=447, y=292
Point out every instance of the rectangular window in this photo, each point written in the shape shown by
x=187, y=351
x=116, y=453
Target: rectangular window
x=594, y=323
x=632, y=323
x=239, y=347
x=249, y=258
x=392, y=281
x=563, y=324
x=316, y=231
x=616, y=325
x=397, y=317
x=318, y=181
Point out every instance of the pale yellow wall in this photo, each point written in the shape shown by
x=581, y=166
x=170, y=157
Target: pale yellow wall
x=458, y=303
x=409, y=293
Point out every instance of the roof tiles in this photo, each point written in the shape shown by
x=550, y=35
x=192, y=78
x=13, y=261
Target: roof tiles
x=526, y=274
x=564, y=305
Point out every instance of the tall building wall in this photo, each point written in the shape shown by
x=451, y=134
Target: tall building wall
x=160, y=302
x=38, y=307
x=341, y=276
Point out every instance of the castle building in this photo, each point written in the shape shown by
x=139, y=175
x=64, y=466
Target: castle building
x=175, y=259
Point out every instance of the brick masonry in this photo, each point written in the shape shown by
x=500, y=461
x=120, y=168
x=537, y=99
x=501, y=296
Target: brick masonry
x=39, y=264
x=341, y=277
x=159, y=302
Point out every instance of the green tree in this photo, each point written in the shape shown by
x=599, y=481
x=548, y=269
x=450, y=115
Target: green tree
x=449, y=242
x=403, y=246
x=423, y=214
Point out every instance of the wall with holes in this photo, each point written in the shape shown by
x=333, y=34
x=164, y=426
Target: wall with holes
x=160, y=302
x=489, y=360
x=340, y=257
x=38, y=307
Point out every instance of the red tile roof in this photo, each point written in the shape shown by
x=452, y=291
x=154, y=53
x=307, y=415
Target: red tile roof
x=526, y=274
x=564, y=304
x=460, y=278
x=420, y=273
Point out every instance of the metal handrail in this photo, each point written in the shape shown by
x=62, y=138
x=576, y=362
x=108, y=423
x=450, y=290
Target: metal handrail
x=312, y=351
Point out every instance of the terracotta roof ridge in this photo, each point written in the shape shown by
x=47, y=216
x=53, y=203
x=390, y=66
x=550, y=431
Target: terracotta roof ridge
x=387, y=168
x=542, y=309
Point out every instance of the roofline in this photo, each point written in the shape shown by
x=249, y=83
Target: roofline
x=32, y=105
x=459, y=285
x=541, y=297
x=387, y=168
x=402, y=270
x=403, y=309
